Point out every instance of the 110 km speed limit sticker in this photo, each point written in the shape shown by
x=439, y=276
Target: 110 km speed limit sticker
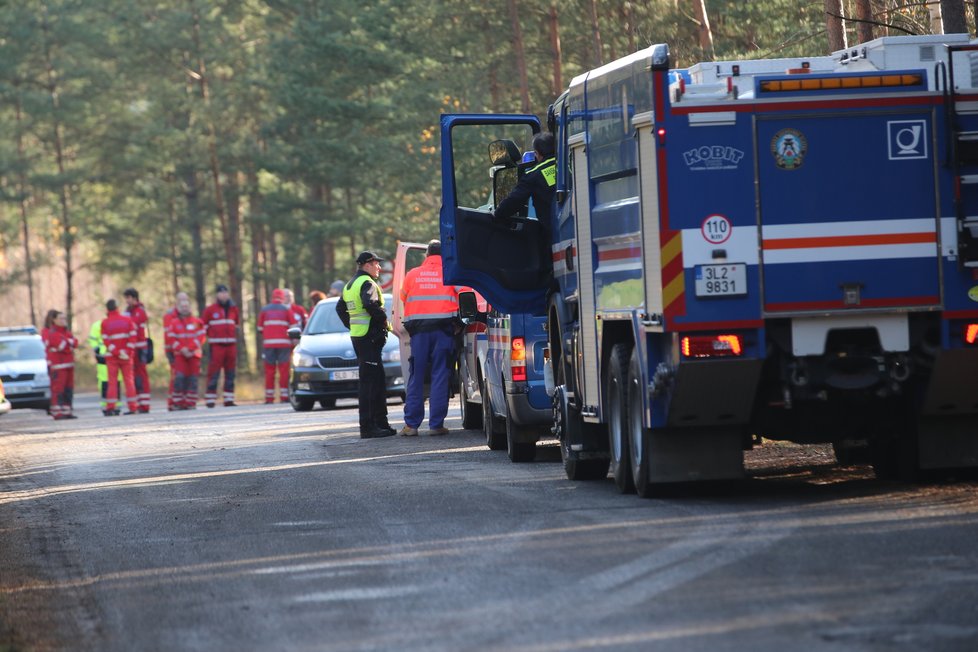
x=716, y=229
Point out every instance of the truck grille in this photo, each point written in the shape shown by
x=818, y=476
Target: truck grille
x=332, y=362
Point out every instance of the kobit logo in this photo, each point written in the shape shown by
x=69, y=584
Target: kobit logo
x=713, y=157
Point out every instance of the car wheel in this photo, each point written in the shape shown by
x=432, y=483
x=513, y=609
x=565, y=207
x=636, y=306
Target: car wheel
x=519, y=451
x=471, y=412
x=494, y=430
x=300, y=404
x=327, y=403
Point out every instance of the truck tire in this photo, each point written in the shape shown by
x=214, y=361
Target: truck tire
x=575, y=468
x=616, y=384
x=518, y=451
x=471, y=412
x=494, y=430
x=638, y=436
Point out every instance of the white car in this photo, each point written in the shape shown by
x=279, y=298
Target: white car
x=24, y=368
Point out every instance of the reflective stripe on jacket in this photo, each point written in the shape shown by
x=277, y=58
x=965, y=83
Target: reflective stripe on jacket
x=187, y=333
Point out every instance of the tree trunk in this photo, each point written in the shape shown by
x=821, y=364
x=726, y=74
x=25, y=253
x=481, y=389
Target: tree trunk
x=514, y=18
x=557, y=58
x=705, y=33
x=174, y=226
x=23, y=201
x=596, y=34
x=627, y=19
x=330, y=244
x=64, y=192
x=864, y=12
x=952, y=14
x=254, y=212
x=190, y=192
x=835, y=25
x=230, y=233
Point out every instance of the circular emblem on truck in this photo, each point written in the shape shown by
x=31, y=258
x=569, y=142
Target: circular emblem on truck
x=789, y=148
x=973, y=293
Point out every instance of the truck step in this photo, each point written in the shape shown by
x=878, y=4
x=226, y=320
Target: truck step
x=968, y=135
x=967, y=179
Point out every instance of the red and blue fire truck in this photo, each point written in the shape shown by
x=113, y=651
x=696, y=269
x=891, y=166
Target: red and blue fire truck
x=747, y=249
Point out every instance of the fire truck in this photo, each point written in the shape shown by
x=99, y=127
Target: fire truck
x=746, y=252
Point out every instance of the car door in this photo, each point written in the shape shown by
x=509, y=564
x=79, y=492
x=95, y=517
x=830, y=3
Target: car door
x=508, y=263
x=409, y=255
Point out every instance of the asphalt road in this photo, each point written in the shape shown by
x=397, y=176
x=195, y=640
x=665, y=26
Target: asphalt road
x=257, y=528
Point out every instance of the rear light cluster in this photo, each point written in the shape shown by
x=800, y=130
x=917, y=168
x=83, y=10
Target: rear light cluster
x=711, y=346
x=517, y=359
x=971, y=333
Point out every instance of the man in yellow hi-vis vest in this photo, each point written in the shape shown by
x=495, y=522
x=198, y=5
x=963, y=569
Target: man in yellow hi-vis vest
x=361, y=309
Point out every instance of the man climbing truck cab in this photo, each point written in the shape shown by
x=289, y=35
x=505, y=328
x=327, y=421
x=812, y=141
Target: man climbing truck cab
x=787, y=252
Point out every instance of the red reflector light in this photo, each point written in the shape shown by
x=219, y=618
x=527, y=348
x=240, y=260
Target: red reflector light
x=971, y=333
x=517, y=358
x=711, y=346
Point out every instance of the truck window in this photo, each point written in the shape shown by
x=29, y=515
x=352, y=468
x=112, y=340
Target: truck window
x=470, y=151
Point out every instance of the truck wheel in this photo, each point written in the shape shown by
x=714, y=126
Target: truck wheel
x=519, y=451
x=471, y=412
x=495, y=431
x=638, y=436
x=575, y=468
x=616, y=383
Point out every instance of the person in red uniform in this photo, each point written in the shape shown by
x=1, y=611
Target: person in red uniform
x=274, y=322
x=221, y=319
x=137, y=312
x=168, y=349
x=59, y=346
x=187, y=336
x=119, y=335
x=298, y=312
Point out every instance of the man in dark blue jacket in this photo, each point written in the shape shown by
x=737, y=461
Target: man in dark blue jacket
x=539, y=182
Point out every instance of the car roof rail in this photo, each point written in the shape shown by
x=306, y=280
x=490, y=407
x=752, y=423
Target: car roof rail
x=26, y=330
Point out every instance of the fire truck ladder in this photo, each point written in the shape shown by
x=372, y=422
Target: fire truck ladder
x=962, y=154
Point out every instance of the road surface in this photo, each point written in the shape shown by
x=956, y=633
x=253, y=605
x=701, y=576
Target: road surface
x=259, y=528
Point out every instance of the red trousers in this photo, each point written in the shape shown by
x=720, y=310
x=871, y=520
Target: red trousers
x=114, y=366
x=283, y=381
x=62, y=388
x=224, y=357
x=141, y=378
x=185, y=381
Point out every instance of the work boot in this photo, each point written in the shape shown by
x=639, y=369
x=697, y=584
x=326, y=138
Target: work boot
x=437, y=431
x=144, y=409
x=377, y=433
x=210, y=404
x=408, y=431
x=230, y=404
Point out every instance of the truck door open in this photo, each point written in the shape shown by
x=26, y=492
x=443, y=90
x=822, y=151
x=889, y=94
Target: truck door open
x=409, y=255
x=508, y=263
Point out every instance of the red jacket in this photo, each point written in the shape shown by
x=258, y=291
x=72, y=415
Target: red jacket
x=187, y=333
x=274, y=322
x=119, y=334
x=221, y=323
x=299, y=314
x=139, y=317
x=59, y=344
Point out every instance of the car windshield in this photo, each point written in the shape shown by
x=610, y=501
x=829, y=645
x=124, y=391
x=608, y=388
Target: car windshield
x=325, y=320
x=26, y=349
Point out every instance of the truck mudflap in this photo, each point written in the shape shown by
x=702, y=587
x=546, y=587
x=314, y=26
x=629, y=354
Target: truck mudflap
x=694, y=454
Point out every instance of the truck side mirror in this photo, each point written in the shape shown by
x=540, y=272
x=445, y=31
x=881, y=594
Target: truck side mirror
x=468, y=307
